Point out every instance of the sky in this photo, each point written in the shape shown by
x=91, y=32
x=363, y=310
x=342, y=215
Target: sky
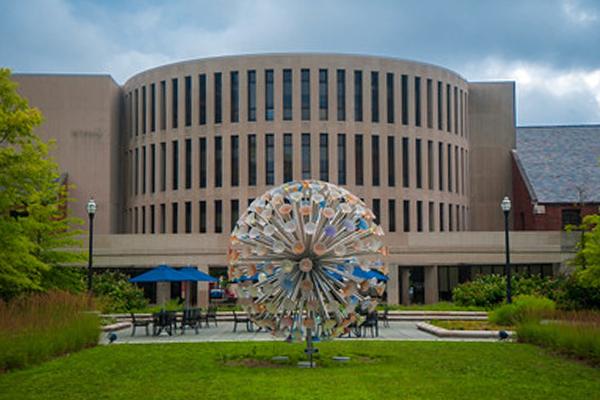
x=551, y=48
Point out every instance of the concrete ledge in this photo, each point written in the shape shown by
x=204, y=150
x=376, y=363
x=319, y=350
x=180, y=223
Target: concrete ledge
x=119, y=326
x=446, y=333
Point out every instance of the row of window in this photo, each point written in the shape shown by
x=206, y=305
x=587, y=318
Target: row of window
x=425, y=156
x=449, y=101
x=449, y=217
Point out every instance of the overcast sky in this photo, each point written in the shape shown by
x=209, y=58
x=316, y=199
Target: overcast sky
x=551, y=48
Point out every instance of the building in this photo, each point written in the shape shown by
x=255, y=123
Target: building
x=174, y=155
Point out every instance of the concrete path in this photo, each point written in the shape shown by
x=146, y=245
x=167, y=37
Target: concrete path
x=398, y=330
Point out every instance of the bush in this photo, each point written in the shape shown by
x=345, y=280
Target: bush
x=42, y=326
x=524, y=308
x=116, y=294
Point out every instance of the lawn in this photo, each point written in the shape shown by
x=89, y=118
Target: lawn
x=383, y=370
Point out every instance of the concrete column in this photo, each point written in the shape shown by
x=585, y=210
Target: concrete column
x=393, y=295
x=202, y=290
x=431, y=284
x=163, y=292
x=405, y=273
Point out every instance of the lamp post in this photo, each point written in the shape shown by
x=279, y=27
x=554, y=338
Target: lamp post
x=91, y=210
x=505, y=205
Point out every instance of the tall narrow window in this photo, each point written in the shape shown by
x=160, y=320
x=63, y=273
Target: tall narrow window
x=358, y=159
x=341, y=158
x=270, y=159
x=440, y=166
x=218, y=216
x=305, y=94
x=252, y=95
x=252, y=160
x=375, y=160
x=218, y=98
x=174, y=103
x=235, y=213
x=144, y=169
x=358, y=96
x=152, y=219
x=188, y=163
x=130, y=116
x=341, y=95
x=392, y=215
x=405, y=163
x=450, y=218
x=288, y=157
x=153, y=107
x=163, y=105
x=218, y=161
x=234, y=95
x=419, y=216
x=202, y=99
x=418, y=160
x=305, y=155
x=269, y=95
x=440, y=106
x=163, y=167
x=202, y=216
x=153, y=168
x=377, y=210
x=174, y=217
x=442, y=222
x=324, y=157
x=430, y=164
x=137, y=171
x=203, y=160
x=163, y=218
x=374, y=96
x=188, y=101
x=143, y=219
x=406, y=215
x=391, y=159
x=390, y=97
x=431, y=215
x=137, y=110
x=235, y=160
x=460, y=113
x=456, y=182
x=188, y=217
x=175, y=165
x=323, y=95
x=417, y=101
x=429, y=103
x=449, y=157
x=455, y=110
x=144, y=112
x=287, y=94
x=448, y=108
x=404, y=99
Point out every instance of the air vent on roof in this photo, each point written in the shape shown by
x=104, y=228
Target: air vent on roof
x=539, y=209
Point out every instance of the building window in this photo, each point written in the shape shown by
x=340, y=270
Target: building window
x=440, y=116
x=174, y=103
x=287, y=94
x=429, y=103
x=440, y=166
x=456, y=183
x=234, y=92
x=163, y=218
x=419, y=216
x=449, y=157
x=163, y=105
x=460, y=113
x=188, y=101
x=250, y=201
x=144, y=109
x=153, y=107
x=136, y=171
x=448, y=109
x=431, y=215
x=143, y=169
x=218, y=216
x=203, y=162
x=153, y=167
x=391, y=159
x=442, y=222
x=270, y=158
x=202, y=216
x=324, y=157
x=174, y=217
x=405, y=163
x=450, y=218
x=288, y=157
x=374, y=96
x=377, y=210
x=188, y=217
x=218, y=161
x=269, y=95
x=570, y=216
x=252, y=95
x=252, y=160
x=235, y=213
x=457, y=217
x=323, y=95
x=430, y=164
x=188, y=163
x=143, y=219
x=305, y=94
x=419, y=163
x=417, y=101
x=358, y=96
x=406, y=215
x=392, y=215
x=202, y=99
x=390, y=97
x=163, y=167
x=235, y=160
x=218, y=98
x=341, y=158
x=404, y=99
x=175, y=164
x=137, y=220
x=455, y=110
x=137, y=115
x=130, y=114
x=341, y=95
x=306, y=156
x=358, y=159
x=152, y=219
x=375, y=159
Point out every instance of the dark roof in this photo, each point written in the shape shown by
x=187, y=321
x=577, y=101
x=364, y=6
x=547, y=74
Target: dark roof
x=560, y=162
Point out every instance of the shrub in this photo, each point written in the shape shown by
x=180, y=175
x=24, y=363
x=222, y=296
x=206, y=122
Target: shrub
x=524, y=308
x=42, y=326
x=116, y=294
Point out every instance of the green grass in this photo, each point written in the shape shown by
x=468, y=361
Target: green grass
x=378, y=370
x=458, y=325
x=441, y=306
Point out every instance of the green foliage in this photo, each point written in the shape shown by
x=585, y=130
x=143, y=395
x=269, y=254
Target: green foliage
x=34, y=227
x=42, y=326
x=116, y=294
x=523, y=308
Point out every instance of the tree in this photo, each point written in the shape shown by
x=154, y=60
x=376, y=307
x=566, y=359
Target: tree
x=34, y=225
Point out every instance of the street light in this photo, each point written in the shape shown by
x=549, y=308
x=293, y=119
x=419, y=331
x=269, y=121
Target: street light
x=505, y=205
x=91, y=210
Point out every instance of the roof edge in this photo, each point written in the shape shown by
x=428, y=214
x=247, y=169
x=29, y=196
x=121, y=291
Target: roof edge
x=524, y=176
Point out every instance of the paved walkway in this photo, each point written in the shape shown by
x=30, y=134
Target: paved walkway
x=398, y=330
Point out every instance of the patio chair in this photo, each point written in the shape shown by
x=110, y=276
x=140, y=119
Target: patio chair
x=385, y=318
x=191, y=318
x=211, y=315
x=135, y=322
x=163, y=320
x=370, y=323
x=237, y=319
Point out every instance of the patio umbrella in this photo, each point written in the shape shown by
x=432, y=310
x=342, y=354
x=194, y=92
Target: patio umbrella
x=162, y=273
x=195, y=275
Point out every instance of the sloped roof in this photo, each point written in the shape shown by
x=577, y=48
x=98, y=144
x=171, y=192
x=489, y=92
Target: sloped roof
x=560, y=162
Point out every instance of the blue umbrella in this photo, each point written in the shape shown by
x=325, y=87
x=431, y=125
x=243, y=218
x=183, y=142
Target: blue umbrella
x=162, y=273
x=197, y=275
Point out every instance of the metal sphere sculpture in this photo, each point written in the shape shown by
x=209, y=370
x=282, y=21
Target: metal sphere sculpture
x=306, y=255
